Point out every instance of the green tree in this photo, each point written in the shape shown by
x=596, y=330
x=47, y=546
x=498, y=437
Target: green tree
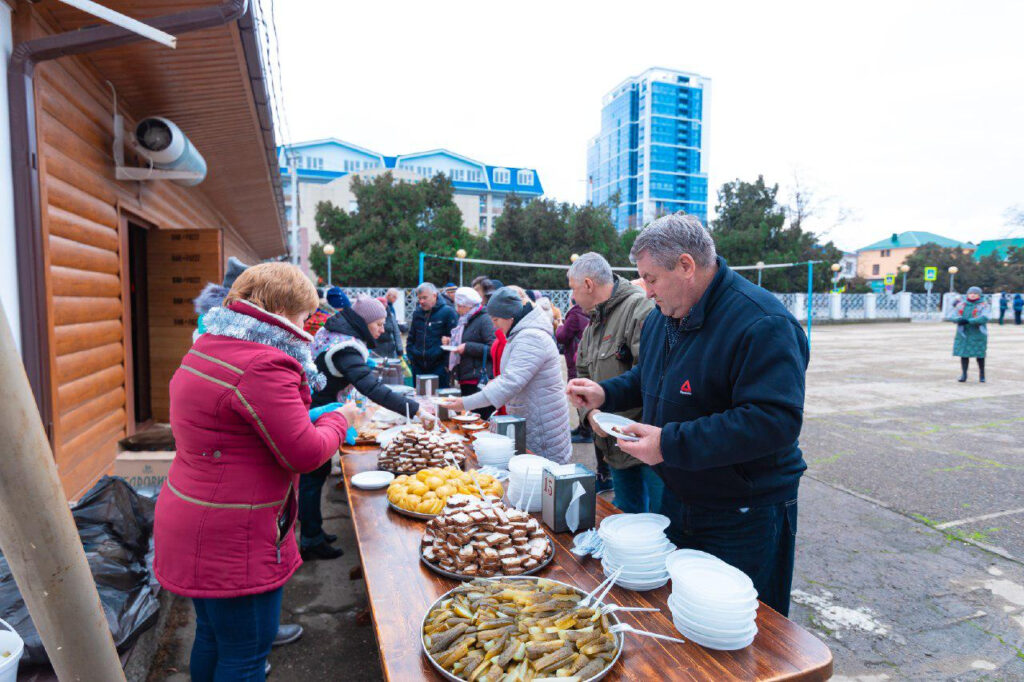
x=379, y=243
x=546, y=231
x=752, y=226
x=989, y=273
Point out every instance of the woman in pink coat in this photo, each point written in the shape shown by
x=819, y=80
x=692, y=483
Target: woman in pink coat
x=240, y=416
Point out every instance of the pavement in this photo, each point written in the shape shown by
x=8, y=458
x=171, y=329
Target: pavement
x=911, y=531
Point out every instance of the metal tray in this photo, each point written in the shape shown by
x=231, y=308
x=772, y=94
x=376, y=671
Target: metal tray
x=619, y=637
x=459, y=576
x=406, y=512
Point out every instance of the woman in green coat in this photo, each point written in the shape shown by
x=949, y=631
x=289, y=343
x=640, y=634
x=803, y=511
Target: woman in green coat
x=971, y=340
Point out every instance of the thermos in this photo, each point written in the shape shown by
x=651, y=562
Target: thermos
x=513, y=427
x=426, y=384
x=443, y=413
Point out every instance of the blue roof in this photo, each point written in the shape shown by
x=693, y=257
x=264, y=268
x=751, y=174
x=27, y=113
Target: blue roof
x=1000, y=247
x=534, y=188
x=912, y=240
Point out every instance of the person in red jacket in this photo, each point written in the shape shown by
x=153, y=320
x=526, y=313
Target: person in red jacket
x=240, y=416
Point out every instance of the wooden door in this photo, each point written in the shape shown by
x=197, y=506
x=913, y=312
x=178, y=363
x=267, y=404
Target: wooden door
x=180, y=263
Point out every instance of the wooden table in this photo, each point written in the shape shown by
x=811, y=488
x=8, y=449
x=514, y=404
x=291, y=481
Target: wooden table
x=401, y=589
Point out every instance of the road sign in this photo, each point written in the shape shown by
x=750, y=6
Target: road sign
x=890, y=280
x=931, y=274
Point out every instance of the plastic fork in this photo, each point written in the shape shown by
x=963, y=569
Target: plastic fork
x=625, y=627
x=612, y=608
x=606, y=584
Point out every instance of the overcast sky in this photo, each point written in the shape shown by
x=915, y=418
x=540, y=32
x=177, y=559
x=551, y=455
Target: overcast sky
x=903, y=115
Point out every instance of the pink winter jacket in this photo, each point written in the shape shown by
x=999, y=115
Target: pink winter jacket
x=239, y=413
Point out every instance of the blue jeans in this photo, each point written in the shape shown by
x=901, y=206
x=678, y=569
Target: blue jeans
x=311, y=520
x=638, y=489
x=234, y=636
x=759, y=541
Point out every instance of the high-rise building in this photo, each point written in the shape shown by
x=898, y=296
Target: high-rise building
x=650, y=158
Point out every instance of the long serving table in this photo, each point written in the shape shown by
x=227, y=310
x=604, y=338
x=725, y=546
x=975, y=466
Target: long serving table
x=401, y=588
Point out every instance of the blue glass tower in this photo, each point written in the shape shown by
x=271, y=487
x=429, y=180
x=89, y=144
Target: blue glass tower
x=650, y=158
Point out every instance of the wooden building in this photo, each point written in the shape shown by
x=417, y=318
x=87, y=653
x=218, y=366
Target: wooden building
x=110, y=284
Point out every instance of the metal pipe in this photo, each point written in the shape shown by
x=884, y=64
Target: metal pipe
x=25, y=174
x=39, y=538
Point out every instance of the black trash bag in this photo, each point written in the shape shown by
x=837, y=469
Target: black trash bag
x=115, y=525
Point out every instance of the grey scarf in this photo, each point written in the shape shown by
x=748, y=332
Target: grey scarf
x=223, y=322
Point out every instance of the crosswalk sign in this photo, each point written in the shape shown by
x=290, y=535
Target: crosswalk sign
x=890, y=280
x=930, y=274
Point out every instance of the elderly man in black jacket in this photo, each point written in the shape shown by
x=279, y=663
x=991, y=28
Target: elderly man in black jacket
x=431, y=321
x=721, y=384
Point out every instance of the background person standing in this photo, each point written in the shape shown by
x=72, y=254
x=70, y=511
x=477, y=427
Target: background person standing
x=431, y=321
x=611, y=346
x=971, y=338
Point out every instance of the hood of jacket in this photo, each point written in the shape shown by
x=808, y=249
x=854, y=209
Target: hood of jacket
x=622, y=291
x=537, y=318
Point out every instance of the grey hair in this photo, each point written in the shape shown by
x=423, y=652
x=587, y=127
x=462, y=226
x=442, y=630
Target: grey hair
x=392, y=290
x=594, y=266
x=426, y=288
x=671, y=236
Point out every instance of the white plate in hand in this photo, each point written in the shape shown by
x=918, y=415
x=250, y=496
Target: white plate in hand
x=612, y=424
x=449, y=348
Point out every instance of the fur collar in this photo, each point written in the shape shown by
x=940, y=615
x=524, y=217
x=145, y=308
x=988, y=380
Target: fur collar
x=237, y=324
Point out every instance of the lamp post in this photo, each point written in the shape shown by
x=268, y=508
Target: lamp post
x=836, y=267
x=904, y=269
x=952, y=276
x=574, y=257
x=460, y=254
x=760, y=267
x=329, y=251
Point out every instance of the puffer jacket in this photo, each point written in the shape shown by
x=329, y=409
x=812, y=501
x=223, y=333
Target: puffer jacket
x=569, y=335
x=478, y=337
x=531, y=386
x=345, y=341
x=611, y=346
x=239, y=412
x=389, y=345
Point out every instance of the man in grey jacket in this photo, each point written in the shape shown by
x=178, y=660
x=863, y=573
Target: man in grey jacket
x=530, y=384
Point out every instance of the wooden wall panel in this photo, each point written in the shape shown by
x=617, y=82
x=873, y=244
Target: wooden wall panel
x=84, y=209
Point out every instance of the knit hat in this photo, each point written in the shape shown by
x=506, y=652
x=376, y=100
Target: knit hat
x=235, y=268
x=505, y=304
x=974, y=291
x=370, y=309
x=337, y=298
x=467, y=296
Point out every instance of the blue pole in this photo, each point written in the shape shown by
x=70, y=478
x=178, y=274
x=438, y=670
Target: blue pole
x=421, y=266
x=810, y=300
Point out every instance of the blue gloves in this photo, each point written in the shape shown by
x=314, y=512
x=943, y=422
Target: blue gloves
x=317, y=412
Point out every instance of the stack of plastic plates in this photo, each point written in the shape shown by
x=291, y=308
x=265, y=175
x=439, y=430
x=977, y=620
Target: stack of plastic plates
x=494, y=450
x=526, y=476
x=712, y=603
x=636, y=543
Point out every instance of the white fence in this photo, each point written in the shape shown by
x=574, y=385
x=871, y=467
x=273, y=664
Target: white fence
x=904, y=305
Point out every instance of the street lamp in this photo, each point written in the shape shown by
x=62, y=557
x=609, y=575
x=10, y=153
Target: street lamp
x=952, y=276
x=460, y=254
x=574, y=257
x=836, y=267
x=904, y=269
x=329, y=251
x=760, y=266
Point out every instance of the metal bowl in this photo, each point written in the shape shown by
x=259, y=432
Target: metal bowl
x=619, y=637
x=459, y=576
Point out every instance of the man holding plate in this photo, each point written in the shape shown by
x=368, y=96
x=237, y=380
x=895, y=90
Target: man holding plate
x=720, y=380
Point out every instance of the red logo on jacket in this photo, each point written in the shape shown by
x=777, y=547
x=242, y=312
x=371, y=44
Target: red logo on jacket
x=685, y=388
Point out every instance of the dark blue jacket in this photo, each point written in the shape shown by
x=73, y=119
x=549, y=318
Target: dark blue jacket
x=729, y=397
x=428, y=326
